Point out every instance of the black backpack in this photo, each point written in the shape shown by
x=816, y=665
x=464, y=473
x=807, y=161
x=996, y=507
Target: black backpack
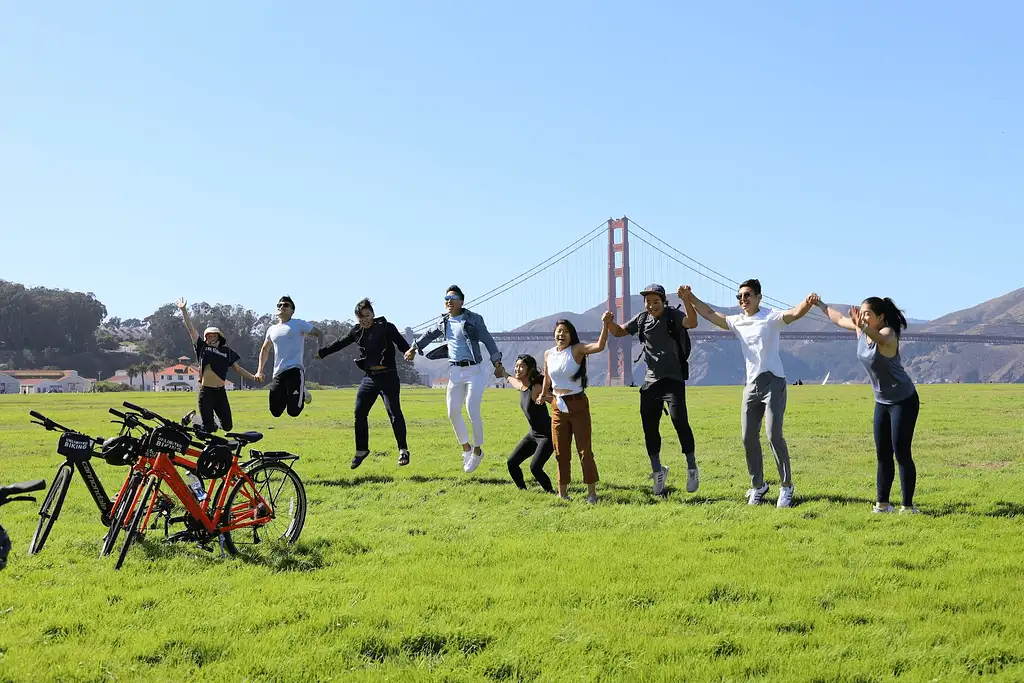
x=682, y=342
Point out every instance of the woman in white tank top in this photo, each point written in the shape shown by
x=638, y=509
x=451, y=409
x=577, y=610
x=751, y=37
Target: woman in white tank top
x=565, y=383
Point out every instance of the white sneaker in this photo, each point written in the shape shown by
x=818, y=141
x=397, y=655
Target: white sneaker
x=692, y=480
x=881, y=511
x=754, y=496
x=306, y=396
x=472, y=462
x=909, y=510
x=659, y=480
x=465, y=459
x=785, y=497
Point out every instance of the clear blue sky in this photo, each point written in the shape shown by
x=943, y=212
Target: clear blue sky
x=233, y=151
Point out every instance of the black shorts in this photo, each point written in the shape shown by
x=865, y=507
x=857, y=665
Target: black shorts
x=288, y=390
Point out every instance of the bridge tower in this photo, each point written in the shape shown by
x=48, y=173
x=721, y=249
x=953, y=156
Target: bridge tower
x=620, y=363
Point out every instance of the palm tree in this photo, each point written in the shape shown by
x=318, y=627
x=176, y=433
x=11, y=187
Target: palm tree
x=153, y=368
x=133, y=372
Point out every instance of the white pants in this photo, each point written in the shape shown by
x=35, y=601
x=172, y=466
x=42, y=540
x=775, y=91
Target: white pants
x=466, y=385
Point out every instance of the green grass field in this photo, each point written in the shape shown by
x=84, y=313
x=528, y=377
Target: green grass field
x=426, y=573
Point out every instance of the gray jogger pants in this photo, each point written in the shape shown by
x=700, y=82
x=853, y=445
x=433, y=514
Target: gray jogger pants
x=769, y=391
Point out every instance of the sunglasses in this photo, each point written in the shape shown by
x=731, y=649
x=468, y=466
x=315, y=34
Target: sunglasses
x=745, y=295
x=284, y=304
x=452, y=297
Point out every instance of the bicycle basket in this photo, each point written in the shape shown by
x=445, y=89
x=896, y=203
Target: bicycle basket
x=75, y=447
x=214, y=462
x=169, y=440
x=119, y=451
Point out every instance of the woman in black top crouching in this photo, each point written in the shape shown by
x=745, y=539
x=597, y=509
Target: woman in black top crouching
x=377, y=340
x=537, y=444
x=215, y=358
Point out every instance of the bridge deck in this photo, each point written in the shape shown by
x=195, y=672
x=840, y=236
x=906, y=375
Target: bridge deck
x=720, y=335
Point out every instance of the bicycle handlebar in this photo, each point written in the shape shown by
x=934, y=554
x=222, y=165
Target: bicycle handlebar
x=6, y=492
x=49, y=424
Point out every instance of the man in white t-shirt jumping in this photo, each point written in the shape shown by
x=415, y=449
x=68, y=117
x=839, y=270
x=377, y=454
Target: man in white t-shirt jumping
x=758, y=331
x=288, y=338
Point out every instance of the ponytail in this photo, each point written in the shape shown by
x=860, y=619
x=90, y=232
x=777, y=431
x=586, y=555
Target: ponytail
x=888, y=309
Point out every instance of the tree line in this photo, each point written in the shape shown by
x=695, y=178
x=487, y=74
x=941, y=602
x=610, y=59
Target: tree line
x=70, y=330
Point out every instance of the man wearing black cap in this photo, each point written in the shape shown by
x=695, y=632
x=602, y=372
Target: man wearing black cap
x=665, y=348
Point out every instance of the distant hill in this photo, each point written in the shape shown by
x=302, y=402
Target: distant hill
x=722, y=363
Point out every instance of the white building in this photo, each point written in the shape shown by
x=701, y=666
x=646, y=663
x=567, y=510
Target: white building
x=144, y=382
x=9, y=385
x=178, y=377
x=51, y=381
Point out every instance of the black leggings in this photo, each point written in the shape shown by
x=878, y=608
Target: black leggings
x=287, y=390
x=652, y=399
x=389, y=387
x=537, y=447
x=214, y=401
x=894, y=433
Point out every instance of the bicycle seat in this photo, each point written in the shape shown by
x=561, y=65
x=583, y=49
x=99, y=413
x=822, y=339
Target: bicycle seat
x=23, y=487
x=246, y=437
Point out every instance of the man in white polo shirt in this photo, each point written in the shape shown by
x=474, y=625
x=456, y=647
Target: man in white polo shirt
x=758, y=331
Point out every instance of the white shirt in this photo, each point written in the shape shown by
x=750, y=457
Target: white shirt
x=562, y=366
x=289, y=342
x=759, y=341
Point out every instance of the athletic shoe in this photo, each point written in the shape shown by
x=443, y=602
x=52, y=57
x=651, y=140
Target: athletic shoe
x=403, y=457
x=881, y=511
x=306, y=396
x=754, y=496
x=359, y=458
x=692, y=480
x=592, y=499
x=904, y=510
x=472, y=462
x=465, y=459
x=659, y=480
x=785, y=497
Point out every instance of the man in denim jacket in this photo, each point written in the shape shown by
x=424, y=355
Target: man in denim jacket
x=463, y=331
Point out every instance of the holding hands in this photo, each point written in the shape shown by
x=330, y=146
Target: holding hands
x=607, y=317
x=410, y=354
x=813, y=299
x=685, y=293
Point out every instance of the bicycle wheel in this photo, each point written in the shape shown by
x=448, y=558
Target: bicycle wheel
x=279, y=486
x=119, y=513
x=138, y=517
x=52, y=504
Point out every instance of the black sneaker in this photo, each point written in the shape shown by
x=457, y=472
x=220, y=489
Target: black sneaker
x=359, y=458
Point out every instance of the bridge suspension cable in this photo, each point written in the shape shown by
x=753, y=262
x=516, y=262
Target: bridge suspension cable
x=526, y=275
x=728, y=281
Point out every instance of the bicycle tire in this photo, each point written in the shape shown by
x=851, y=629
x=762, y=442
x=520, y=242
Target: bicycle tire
x=139, y=514
x=120, y=512
x=262, y=474
x=49, y=511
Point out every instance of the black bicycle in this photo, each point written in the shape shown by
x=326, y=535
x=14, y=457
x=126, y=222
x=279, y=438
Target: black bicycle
x=78, y=450
x=12, y=494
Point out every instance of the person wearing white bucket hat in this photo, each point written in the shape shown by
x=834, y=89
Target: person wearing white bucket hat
x=215, y=358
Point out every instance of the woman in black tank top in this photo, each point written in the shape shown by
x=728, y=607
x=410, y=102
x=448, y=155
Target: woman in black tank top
x=537, y=444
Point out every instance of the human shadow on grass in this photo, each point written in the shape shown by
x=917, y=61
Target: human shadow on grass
x=1006, y=509
x=834, y=498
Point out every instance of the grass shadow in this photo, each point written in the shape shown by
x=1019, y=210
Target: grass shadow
x=834, y=498
x=1006, y=509
x=355, y=481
